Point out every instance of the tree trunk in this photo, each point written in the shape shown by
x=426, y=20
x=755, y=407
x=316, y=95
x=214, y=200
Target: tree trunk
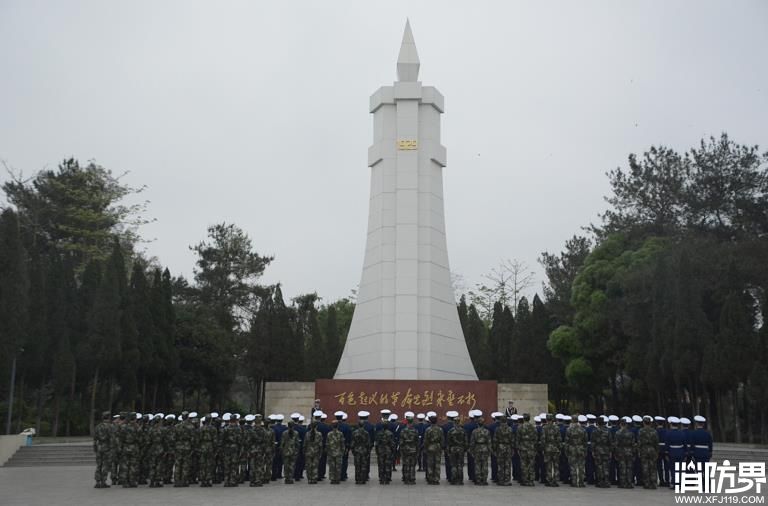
x=143, y=393
x=20, y=410
x=92, y=411
x=71, y=400
x=56, y=411
x=39, y=408
x=154, y=395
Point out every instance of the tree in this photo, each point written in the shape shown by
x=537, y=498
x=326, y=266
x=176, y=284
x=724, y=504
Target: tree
x=561, y=270
x=77, y=209
x=507, y=283
x=227, y=270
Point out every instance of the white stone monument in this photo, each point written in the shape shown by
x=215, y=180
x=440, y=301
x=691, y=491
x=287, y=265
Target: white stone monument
x=406, y=325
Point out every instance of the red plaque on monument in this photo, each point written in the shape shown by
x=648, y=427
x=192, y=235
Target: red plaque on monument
x=419, y=396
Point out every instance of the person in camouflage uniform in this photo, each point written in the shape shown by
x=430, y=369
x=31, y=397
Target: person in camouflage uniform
x=184, y=439
x=551, y=443
x=480, y=449
x=409, y=449
x=433, y=446
x=456, y=447
x=155, y=451
x=258, y=451
x=231, y=439
x=576, y=450
x=168, y=445
x=143, y=429
x=501, y=446
x=289, y=450
x=313, y=448
x=625, y=454
x=361, y=449
x=270, y=444
x=335, y=449
x=526, y=440
x=129, y=452
x=246, y=443
x=602, y=446
x=207, y=443
x=383, y=445
x=102, y=446
x=114, y=473
x=648, y=448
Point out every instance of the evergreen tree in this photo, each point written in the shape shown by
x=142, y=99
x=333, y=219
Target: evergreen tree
x=333, y=342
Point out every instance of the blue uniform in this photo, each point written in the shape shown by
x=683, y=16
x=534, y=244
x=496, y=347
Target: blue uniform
x=565, y=469
x=613, y=470
x=277, y=461
x=540, y=473
x=662, y=462
x=700, y=445
x=446, y=429
x=676, y=447
x=636, y=467
x=323, y=429
x=346, y=430
x=516, y=467
x=589, y=468
x=421, y=427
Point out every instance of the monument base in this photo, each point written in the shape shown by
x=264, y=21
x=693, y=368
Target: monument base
x=294, y=396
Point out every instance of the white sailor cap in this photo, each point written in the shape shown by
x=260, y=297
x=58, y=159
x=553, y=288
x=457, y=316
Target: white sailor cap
x=637, y=418
x=158, y=416
x=393, y=417
x=647, y=418
x=170, y=417
x=537, y=419
x=193, y=414
x=604, y=418
x=236, y=416
x=559, y=416
x=344, y=416
x=517, y=417
x=115, y=416
x=613, y=418
x=496, y=414
x=590, y=416
x=385, y=411
x=582, y=419
x=421, y=416
x=249, y=418
x=673, y=420
x=322, y=417
x=227, y=417
x=295, y=416
x=626, y=419
x=452, y=414
x=409, y=415
x=301, y=418
x=226, y=414
x=659, y=418
x=685, y=421
x=478, y=413
x=338, y=414
x=363, y=414
x=138, y=416
x=214, y=415
x=699, y=419
x=279, y=417
x=316, y=413
x=431, y=414
x=567, y=418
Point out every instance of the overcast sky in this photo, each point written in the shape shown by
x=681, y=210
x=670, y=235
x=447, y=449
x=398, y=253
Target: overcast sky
x=256, y=113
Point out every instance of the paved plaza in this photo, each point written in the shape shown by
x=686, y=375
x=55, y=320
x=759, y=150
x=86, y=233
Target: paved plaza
x=49, y=486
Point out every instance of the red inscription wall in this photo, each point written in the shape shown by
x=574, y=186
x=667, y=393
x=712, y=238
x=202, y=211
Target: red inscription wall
x=419, y=396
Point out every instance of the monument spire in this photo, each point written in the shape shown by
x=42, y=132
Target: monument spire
x=408, y=59
x=405, y=324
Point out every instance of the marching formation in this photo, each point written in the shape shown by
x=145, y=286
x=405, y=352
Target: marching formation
x=134, y=449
